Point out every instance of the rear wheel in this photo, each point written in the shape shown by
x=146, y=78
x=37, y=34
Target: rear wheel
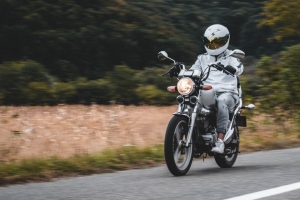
x=227, y=161
x=178, y=157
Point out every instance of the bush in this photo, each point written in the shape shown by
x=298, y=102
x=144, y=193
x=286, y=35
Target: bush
x=122, y=85
x=39, y=93
x=93, y=91
x=150, y=94
x=20, y=77
x=65, y=92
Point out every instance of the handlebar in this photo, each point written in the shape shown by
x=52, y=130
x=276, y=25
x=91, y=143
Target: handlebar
x=218, y=66
x=221, y=67
x=177, y=65
x=166, y=72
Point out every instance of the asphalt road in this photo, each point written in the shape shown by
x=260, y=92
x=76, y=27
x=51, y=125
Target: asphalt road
x=251, y=173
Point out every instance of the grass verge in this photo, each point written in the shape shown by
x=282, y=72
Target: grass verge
x=32, y=170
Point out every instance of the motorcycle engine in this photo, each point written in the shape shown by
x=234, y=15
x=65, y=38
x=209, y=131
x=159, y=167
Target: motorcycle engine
x=206, y=129
x=209, y=138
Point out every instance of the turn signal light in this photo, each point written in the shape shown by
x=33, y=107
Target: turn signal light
x=171, y=88
x=206, y=87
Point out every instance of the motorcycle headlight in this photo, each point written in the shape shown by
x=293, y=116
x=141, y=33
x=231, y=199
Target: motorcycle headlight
x=185, y=86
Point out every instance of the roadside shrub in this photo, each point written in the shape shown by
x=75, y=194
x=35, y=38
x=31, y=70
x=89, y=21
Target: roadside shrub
x=65, y=92
x=93, y=91
x=39, y=93
x=153, y=76
x=20, y=77
x=150, y=94
x=123, y=84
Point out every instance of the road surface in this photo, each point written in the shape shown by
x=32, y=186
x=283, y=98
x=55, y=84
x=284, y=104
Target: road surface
x=258, y=175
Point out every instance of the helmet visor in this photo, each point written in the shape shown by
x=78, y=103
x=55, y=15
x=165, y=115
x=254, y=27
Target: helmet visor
x=215, y=43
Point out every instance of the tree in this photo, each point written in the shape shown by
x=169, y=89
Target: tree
x=280, y=84
x=283, y=16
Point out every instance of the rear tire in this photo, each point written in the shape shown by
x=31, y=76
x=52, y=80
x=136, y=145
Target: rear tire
x=177, y=157
x=224, y=161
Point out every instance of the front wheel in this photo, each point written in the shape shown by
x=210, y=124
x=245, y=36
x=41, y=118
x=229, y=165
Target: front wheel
x=178, y=157
x=227, y=161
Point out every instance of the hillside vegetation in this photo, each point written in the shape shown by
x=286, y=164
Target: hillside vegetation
x=79, y=52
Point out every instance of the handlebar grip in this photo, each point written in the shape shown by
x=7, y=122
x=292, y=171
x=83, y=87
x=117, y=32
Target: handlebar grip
x=227, y=72
x=220, y=67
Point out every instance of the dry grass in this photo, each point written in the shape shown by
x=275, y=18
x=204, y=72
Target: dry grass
x=70, y=130
x=263, y=133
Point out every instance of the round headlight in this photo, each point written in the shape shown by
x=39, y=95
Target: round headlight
x=185, y=86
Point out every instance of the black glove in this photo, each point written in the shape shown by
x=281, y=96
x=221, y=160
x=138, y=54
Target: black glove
x=230, y=69
x=174, y=71
x=219, y=66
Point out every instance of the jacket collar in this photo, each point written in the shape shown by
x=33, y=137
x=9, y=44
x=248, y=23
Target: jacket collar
x=223, y=54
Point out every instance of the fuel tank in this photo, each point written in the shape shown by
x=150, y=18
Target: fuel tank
x=208, y=98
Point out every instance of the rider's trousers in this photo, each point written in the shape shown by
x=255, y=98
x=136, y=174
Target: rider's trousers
x=226, y=103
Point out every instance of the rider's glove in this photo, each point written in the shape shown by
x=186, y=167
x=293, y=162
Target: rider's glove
x=230, y=69
x=219, y=66
x=174, y=71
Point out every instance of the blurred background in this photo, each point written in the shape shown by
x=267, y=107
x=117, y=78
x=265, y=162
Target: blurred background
x=79, y=52
x=78, y=77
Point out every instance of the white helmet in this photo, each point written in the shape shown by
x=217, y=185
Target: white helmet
x=216, y=39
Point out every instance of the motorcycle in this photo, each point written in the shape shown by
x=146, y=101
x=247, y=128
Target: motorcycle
x=191, y=132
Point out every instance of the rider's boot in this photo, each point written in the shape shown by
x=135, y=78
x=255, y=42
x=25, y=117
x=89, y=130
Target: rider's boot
x=219, y=148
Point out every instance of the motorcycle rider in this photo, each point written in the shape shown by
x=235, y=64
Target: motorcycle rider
x=216, y=41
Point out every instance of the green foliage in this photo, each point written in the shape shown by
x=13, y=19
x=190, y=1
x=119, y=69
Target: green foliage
x=23, y=82
x=69, y=49
x=65, y=92
x=153, y=76
x=65, y=70
x=269, y=92
x=283, y=17
x=106, y=161
x=39, y=93
x=290, y=82
x=83, y=91
x=150, y=94
x=250, y=85
x=153, y=87
x=87, y=38
x=97, y=91
x=279, y=91
x=27, y=82
x=123, y=83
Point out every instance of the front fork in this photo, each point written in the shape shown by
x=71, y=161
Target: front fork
x=193, y=118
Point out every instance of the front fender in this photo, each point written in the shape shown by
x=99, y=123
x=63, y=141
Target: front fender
x=181, y=114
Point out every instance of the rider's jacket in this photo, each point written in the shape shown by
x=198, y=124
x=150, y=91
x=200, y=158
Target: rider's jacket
x=220, y=81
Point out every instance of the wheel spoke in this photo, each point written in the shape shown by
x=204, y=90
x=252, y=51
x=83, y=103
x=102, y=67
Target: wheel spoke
x=177, y=134
x=176, y=155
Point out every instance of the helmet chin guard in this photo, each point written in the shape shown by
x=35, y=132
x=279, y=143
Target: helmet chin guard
x=216, y=39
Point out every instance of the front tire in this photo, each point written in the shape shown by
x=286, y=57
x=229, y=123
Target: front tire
x=178, y=158
x=227, y=161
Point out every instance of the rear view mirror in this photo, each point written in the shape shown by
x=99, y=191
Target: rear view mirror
x=237, y=54
x=162, y=55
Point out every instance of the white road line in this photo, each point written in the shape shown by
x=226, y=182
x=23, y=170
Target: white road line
x=267, y=193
